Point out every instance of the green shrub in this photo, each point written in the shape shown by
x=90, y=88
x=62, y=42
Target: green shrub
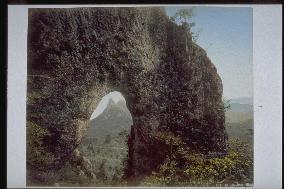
x=37, y=156
x=199, y=170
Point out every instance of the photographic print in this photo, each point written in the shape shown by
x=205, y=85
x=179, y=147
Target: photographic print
x=140, y=96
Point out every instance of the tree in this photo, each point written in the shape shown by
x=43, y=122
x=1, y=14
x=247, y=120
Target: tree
x=101, y=171
x=107, y=139
x=226, y=104
x=184, y=16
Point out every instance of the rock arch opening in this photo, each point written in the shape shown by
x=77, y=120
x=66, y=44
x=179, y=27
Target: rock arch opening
x=105, y=141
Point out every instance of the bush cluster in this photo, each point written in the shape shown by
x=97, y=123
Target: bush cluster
x=187, y=168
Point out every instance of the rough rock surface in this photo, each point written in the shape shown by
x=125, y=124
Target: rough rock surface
x=76, y=56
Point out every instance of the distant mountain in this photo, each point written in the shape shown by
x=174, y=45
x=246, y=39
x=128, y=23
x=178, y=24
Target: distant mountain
x=242, y=100
x=115, y=119
x=241, y=110
x=237, y=107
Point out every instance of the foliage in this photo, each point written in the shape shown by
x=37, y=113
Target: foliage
x=107, y=155
x=199, y=170
x=226, y=104
x=184, y=16
x=170, y=146
x=241, y=130
x=107, y=139
x=37, y=156
x=195, y=35
x=102, y=173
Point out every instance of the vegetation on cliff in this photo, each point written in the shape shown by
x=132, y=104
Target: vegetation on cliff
x=172, y=89
x=186, y=168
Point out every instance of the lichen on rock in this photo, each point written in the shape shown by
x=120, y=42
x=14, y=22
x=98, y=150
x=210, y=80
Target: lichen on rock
x=78, y=55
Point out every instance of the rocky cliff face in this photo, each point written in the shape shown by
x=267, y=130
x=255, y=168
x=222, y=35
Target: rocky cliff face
x=76, y=56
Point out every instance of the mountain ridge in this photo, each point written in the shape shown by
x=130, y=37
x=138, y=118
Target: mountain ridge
x=242, y=100
x=115, y=119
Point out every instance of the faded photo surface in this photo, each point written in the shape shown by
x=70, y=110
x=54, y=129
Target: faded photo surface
x=140, y=96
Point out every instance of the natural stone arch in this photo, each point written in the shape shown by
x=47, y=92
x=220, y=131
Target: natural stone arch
x=76, y=56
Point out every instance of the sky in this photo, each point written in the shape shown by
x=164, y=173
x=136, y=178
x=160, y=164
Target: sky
x=115, y=96
x=227, y=37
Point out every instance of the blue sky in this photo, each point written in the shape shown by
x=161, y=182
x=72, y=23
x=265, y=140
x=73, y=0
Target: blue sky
x=229, y=31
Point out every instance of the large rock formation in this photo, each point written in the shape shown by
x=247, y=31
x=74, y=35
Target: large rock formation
x=76, y=56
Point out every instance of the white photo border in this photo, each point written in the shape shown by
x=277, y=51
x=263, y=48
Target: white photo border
x=267, y=69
